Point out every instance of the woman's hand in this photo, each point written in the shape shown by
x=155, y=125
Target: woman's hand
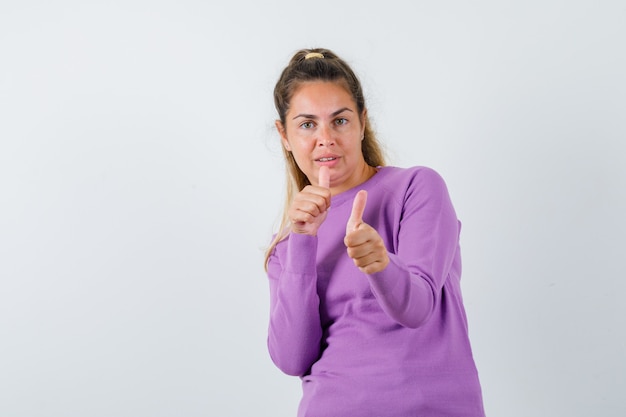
x=365, y=246
x=310, y=206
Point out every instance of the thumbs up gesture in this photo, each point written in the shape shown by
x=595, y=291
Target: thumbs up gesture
x=310, y=206
x=365, y=246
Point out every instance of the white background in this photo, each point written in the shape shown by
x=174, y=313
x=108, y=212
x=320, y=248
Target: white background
x=140, y=180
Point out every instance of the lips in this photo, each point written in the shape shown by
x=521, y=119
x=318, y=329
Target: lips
x=327, y=158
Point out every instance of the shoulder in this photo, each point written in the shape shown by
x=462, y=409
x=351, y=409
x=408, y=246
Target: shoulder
x=413, y=177
x=416, y=187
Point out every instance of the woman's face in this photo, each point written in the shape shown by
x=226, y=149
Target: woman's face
x=323, y=128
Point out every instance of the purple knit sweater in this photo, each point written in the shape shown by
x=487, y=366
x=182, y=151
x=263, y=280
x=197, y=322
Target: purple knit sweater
x=394, y=343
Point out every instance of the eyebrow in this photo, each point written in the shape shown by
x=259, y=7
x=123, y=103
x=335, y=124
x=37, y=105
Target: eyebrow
x=312, y=116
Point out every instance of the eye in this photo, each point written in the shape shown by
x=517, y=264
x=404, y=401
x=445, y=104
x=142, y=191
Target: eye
x=307, y=125
x=341, y=121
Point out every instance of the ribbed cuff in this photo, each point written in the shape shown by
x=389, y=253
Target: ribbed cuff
x=301, y=253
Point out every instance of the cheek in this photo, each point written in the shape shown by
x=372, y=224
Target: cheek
x=302, y=156
x=297, y=149
x=302, y=144
x=353, y=145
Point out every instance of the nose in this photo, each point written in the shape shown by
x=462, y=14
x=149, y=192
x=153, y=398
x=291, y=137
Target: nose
x=324, y=137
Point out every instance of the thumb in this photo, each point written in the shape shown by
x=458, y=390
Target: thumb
x=358, y=207
x=323, y=177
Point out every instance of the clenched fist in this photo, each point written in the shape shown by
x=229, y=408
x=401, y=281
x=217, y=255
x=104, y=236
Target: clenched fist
x=310, y=206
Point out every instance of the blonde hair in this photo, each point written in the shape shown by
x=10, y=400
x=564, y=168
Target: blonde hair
x=317, y=64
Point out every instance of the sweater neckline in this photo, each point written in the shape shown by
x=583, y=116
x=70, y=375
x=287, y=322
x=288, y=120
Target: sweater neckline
x=348, y=195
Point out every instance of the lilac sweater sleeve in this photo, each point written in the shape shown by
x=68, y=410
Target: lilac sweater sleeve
x=409, y=288
x=295, y=331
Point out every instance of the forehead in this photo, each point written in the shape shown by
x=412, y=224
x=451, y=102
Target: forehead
x=321, y=95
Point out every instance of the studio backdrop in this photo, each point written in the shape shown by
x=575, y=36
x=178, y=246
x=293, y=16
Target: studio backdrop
x=141, y=179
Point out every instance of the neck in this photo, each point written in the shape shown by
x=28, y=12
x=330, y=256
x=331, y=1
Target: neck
x=364, y=174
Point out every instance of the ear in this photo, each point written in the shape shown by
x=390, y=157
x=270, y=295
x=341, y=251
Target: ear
x=283, y=134
x=363, y=119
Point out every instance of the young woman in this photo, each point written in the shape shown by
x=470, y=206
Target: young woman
x=365, y=298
